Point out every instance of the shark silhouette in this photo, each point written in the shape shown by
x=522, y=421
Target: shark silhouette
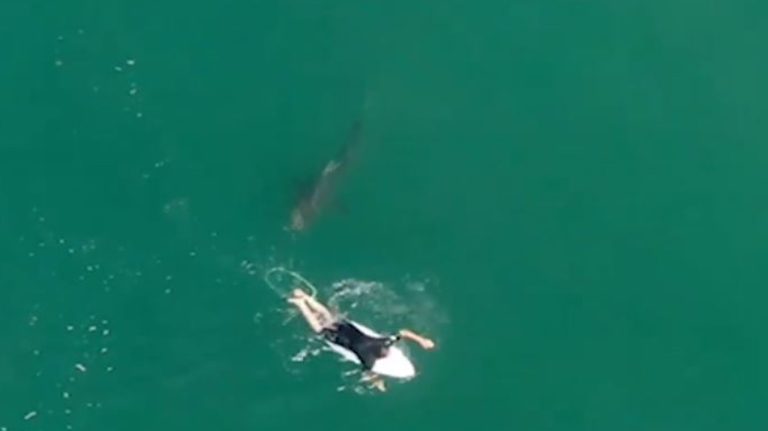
x=319, y=195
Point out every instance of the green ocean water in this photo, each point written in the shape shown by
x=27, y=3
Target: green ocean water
x=569, y=197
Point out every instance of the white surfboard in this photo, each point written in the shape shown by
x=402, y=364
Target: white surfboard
x=395, y=364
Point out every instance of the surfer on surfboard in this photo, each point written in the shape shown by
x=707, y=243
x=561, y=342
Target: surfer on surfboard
x=377, y=354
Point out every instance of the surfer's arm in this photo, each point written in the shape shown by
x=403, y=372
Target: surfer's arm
x=424, y=342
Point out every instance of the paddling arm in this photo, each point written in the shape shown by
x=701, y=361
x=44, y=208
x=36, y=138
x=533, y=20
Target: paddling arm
x=424, y=342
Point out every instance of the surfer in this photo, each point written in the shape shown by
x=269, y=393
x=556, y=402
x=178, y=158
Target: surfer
x=375, y=353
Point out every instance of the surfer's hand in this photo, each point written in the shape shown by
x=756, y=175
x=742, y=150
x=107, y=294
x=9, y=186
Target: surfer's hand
x=379, y=384
x=424, y=342
x=427, y=344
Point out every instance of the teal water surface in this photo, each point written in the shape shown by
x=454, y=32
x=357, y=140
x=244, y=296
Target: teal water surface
x=569, y=197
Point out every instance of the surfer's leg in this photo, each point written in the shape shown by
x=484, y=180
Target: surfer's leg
x=308, y=314
x=316, y=306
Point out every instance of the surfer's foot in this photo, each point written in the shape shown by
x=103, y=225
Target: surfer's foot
x=296, y=301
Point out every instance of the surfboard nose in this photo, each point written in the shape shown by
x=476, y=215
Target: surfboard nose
x=408, y=371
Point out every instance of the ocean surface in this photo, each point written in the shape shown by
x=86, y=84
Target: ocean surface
x=569, y=197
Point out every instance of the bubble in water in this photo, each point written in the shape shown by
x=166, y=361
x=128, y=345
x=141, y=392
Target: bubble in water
x=299, y=357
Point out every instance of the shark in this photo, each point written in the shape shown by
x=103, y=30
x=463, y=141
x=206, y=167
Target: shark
x=316, y=198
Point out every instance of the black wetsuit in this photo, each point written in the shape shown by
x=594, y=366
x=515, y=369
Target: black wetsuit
x=367, y=349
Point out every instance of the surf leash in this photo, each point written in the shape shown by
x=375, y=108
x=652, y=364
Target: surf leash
x=269, y=275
